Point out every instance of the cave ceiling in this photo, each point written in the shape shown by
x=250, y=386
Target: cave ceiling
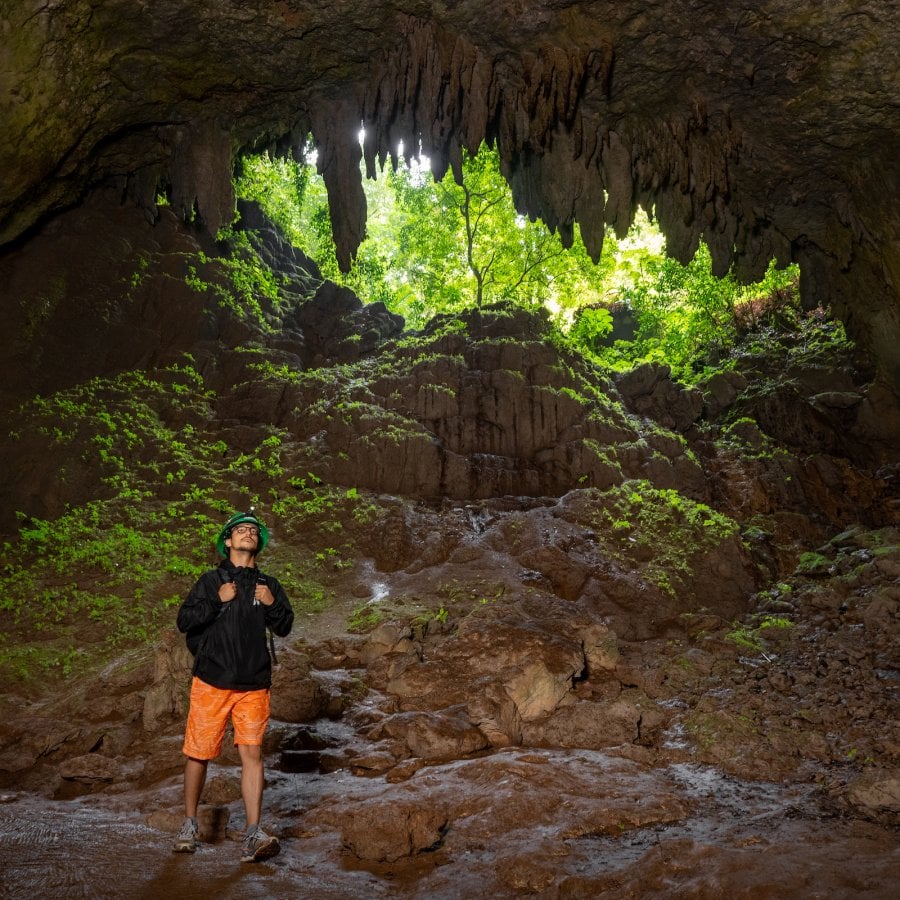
x=771, y=130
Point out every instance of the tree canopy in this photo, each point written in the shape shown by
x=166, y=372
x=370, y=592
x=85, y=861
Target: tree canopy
x=441, y=246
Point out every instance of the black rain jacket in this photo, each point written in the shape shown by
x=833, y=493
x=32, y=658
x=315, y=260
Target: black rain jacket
x=228, y=640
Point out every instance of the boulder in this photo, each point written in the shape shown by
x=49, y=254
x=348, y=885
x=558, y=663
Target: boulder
x=168, y=695
x=566, y=575
x=648, y=390
x=877, y=794
x=296, y=695
x=378, y=832
x=590, y=726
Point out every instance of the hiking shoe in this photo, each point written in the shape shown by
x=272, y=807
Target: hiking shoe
x=186, y=842
x=258, y=846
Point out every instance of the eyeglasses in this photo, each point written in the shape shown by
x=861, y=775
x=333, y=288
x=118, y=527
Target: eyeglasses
x=246, y=529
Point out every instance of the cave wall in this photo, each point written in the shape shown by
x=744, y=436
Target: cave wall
x=769, y=132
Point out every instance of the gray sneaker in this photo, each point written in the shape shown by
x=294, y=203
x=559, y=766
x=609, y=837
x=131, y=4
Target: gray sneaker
x=258, y=845
x=186, y=842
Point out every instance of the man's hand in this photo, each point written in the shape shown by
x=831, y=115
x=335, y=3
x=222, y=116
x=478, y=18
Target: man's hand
x=264, y=595
x=227, y=591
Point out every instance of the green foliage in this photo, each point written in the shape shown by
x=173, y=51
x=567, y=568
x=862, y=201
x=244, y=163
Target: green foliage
x=280, y=186
x=431, y=246
x=463, y=245
x=252, y=282
x=685, y=315
x=814, y=340
x=117, y=563
x=237, y=279
x=660, y=529
x=364, y=618
x=812, y=563
x=591, y=324
x=753, y=638
x=436, y=247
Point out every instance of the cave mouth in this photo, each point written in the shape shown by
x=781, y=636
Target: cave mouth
x=439, y=246
x=470, y=519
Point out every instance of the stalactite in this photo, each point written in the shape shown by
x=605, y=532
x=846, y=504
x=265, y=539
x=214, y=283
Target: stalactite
x=200, y=174
x=336, y=130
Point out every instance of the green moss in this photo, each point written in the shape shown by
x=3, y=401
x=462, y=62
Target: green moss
x=753, y=638
x=812, y=563
x=116, y=564
x=660, y=528
x=364, y=618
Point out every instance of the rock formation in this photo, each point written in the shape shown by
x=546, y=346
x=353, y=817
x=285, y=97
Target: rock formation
x=555, y=627
x=770, y=132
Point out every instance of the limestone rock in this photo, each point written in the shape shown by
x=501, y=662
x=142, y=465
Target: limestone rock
x=588, y=725
x=504, y=664
x=565, y=574
x=167, y=696
x=389, y=637
x=385, y=834
x=721, y=390
x=649, y=391
x=296, y=695
x=433, y=736
x=89, y=769
x=877, y=794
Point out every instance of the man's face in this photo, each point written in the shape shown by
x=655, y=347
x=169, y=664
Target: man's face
x=244, y=537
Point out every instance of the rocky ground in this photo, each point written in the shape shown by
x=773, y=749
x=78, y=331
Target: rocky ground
x=521, y=748
x=573, y=635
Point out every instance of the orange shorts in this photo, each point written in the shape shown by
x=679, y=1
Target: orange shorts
x=208, y=716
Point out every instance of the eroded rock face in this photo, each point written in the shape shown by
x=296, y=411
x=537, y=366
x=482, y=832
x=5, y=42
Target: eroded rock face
x=769, y=132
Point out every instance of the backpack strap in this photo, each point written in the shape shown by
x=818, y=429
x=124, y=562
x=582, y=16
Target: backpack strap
x=261, y=579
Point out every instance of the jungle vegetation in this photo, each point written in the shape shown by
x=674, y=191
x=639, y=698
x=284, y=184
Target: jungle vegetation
x=439, y=247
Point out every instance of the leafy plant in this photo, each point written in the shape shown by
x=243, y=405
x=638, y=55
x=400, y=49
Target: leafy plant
x=364, y=618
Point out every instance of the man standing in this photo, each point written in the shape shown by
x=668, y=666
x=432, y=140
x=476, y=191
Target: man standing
x=225, y=618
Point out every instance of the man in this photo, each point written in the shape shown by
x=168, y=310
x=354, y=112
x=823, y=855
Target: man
x=225, y=618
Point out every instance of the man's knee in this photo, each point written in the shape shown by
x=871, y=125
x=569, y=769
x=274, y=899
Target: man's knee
x=250, y=752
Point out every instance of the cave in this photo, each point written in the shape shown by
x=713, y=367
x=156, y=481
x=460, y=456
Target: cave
x=770, y=133
x=559, y=627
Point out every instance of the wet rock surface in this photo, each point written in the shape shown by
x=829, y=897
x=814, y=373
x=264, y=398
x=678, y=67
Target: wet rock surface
x=542, y=823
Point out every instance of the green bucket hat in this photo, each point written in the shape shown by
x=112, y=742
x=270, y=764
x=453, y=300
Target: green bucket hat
x=247, y=518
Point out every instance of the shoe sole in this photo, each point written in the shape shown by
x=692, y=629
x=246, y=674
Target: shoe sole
x=184, y=848
x=264, y=851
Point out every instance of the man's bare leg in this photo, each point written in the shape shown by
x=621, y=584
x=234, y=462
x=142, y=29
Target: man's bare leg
x=194, y=779
x=257, y=844
x=252, y=781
